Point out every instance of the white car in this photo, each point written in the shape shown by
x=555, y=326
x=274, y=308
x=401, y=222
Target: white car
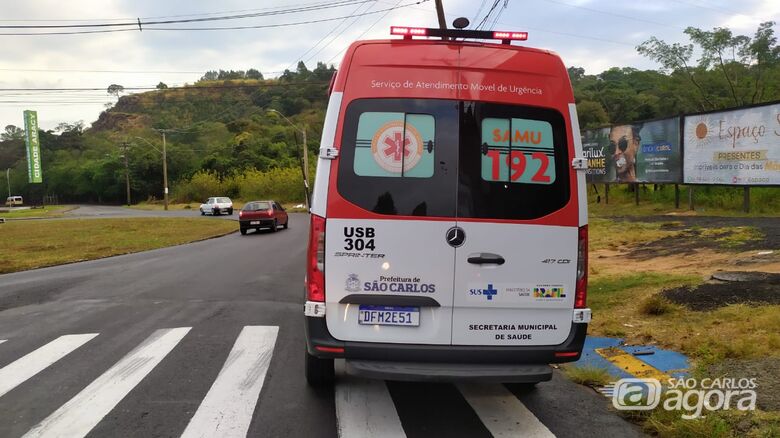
x=217, y=206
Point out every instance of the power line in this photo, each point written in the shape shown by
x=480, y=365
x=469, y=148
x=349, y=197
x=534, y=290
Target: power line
x=267, y=26
x=139, y=23
x=333, y=29
x=613, y=14
x=341, y=32
x=47, y=70
x=367, y=29
x=52, y=20
x=192, y=87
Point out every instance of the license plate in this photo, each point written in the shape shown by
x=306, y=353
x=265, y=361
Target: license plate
x=254, y=223
x=389, y=315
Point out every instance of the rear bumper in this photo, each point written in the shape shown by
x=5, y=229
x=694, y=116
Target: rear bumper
x=440, y=372
x=317, y=335
x=263, y=223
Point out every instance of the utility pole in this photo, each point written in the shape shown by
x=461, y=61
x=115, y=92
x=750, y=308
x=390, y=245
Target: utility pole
x=306, y=167
x=165, y=171
x=8, y=178
x=127, y=173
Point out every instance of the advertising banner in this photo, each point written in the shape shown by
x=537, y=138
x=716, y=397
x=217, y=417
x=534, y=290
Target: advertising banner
x=738, y=147
x=34, y=168
x=646, y=152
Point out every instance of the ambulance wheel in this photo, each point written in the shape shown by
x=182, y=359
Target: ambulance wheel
x=319, y=372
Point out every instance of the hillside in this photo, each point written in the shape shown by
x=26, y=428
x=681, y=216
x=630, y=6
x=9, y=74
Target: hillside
x=218, y=126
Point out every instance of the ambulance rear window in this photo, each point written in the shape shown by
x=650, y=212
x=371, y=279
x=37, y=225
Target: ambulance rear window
x=380, y=174
x=513, y=162
x=380, y=152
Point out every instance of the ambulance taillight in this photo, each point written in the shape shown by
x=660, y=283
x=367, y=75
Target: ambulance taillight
x=315, y=260
x=581, y=289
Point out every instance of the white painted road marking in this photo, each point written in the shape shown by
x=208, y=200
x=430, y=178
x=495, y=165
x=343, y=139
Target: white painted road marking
x=2, y=340
x=502, y=413
x=365, y=409
x=85, y=410
x=227, y=409
x=17, y=372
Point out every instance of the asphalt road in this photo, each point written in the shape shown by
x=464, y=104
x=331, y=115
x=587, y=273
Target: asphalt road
x=109, y=211
x=206, y=339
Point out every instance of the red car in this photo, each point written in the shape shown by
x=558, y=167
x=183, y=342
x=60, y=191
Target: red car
x=262, y=214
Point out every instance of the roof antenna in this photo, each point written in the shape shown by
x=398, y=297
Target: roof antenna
x=461, y=23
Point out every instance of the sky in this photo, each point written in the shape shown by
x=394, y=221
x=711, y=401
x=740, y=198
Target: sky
x=593, y=34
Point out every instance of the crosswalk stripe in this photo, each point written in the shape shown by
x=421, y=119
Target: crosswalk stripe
x=85, y=410
x=17, y=372
x=364, y=408
x=502, y=413
x=227, y=409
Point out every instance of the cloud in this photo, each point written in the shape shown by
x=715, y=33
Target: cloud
x=593, y=40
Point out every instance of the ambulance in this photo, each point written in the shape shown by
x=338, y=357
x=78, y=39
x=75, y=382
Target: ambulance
x=448, y=234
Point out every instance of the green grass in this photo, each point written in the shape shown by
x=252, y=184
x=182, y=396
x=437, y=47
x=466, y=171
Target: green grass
x=708, y=201
x=588, y=375
x=34, y=244
x=48, y=211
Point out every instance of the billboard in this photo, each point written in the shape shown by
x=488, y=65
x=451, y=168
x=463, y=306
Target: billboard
x=646, y=152
x=738, y=147
x=34, y=168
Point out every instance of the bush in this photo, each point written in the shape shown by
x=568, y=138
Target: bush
x=201, y=186
x=280, y=184
x=656, y=305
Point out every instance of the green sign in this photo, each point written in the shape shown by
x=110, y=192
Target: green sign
x=34, y=168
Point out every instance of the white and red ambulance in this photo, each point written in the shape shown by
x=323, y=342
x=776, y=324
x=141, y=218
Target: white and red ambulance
x=448, y=232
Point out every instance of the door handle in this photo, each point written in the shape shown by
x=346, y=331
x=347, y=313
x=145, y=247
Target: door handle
x=484, y=258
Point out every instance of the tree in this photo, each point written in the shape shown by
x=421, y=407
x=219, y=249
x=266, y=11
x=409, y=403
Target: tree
x=162, y=86
x=674, y=57
x=716, y=46
x=115, y=90
x=254, y=74
x=12, y=132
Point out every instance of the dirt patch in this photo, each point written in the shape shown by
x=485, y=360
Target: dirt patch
x=694, y=227
x=760, y=288
x=765, y=371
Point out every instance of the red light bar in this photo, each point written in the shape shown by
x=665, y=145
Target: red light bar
x=518, y=36
x=408, y=31
x=505, y=37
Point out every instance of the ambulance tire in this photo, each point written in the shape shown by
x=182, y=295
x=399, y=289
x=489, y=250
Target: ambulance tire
x=319, y=372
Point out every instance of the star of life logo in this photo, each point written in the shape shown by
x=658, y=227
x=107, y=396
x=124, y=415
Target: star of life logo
x=396, y=147
x=692, y=397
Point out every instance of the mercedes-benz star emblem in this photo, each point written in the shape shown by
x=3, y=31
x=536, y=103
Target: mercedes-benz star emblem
x=456, y=236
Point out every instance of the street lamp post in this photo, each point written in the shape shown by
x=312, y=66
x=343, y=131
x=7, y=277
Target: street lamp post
x=305, y=156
